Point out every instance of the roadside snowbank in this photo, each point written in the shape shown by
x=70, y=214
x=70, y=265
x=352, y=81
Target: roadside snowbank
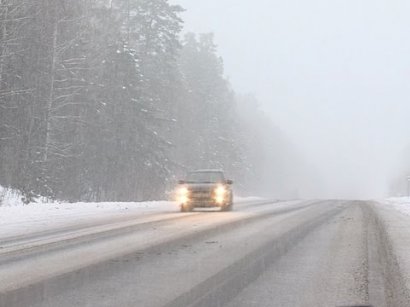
x=10, y=197
x=17, y=219
x=13, y=198
x=21, y=220
x=401, y=204
x=394, y=214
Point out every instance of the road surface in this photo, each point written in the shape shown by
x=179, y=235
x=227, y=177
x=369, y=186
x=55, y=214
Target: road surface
x=265, y=253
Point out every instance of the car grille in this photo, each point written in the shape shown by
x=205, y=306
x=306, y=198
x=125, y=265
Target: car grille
x=201, y=194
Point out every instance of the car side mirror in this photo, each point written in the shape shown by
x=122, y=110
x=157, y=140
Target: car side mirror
x=181, y=181
x=229, y=182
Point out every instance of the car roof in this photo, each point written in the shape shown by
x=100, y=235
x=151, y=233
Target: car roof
x=207, y=171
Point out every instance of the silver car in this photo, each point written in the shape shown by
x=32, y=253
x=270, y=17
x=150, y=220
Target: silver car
x=205, y=189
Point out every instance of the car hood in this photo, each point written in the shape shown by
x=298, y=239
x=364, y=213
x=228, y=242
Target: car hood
x=201, y=186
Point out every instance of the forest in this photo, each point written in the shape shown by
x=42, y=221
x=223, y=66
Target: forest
x=113, y=101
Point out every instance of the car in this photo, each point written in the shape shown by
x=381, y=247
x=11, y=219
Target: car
x=205, y=189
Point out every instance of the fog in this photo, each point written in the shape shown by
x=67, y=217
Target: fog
x=308, y=101
x=333, y=75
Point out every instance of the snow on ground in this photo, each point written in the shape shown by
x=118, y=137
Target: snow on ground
x=395, y=215
x=401, y=204
x=19, y=219
x=9, y=197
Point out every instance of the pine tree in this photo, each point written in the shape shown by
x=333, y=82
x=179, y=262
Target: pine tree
x=210, y=108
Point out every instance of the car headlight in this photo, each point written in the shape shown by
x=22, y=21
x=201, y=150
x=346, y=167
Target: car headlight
x=220, y=193
x=183, y=195
x=183, y=191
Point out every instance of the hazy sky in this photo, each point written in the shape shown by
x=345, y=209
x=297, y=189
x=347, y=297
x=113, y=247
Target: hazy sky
x=334, y=75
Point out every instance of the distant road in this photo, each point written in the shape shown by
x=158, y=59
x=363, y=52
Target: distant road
x=265, y=253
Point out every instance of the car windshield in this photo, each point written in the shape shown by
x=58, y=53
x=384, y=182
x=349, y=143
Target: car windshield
x=204, y=177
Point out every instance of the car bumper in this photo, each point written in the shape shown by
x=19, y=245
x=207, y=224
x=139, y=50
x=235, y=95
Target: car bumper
x=204, y=203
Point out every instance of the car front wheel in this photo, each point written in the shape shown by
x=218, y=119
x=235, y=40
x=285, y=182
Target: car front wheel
x=227, y=207
x=186, y=208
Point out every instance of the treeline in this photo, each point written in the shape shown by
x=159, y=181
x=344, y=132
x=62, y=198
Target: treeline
x=103, y=100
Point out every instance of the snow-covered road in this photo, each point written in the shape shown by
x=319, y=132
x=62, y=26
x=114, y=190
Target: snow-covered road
x=265, y=253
